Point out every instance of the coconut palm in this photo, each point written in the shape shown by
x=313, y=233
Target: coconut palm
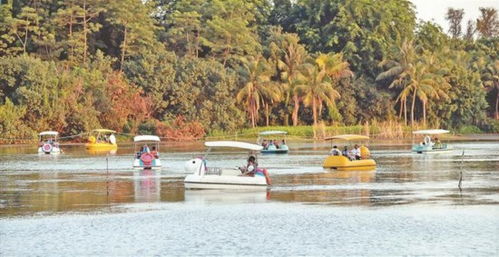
x=289, y=61
x=399, y=70
x=316, y=87
x=258, y=89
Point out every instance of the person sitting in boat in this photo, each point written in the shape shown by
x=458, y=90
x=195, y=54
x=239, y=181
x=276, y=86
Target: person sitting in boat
x=345, y=151
x=139, y=153
x=154, y=152
x=250, y=168
x=437, y=143
x=276, y=144
x=146, y=149
x=265, y=144
x=356, y=152
x=335, y=151
x=283, y=142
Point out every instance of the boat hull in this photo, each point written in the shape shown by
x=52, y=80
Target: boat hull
x=138, y=164
x=420, y=149
x=54, y=150
x=343, y=163
x=225, y=182
x=277, y=151
x=101, y=146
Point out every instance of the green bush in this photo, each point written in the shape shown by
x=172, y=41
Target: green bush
x=469, y=129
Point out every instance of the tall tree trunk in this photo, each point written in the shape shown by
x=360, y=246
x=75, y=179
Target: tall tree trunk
x=85, y=31
x=296, y=108
x=252, y=113
x=497, y=104
x=267, y=113
x=314, y=110
x=405, y=111
x=412, y=107
x=424, y=114
x=123, y=50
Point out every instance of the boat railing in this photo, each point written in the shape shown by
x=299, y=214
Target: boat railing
x=213, y=171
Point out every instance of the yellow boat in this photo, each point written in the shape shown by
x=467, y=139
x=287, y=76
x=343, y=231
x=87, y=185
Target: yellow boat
x=341, y=162
x=101, y=140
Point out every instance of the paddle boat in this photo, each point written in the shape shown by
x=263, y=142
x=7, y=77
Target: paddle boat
x=206, y=177
x=146, y=149
x=48, y=142
x=271, y=145
x=101, y=140
x=427, y=145
x=338, y=161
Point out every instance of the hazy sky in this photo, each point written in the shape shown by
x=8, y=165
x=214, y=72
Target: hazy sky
x=435, y=10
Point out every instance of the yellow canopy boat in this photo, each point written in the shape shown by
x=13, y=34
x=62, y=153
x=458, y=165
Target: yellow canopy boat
x=101, y=140
x=339, y=161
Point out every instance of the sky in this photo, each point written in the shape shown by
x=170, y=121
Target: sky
x=435, y=10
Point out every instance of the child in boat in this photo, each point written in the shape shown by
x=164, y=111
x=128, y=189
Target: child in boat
x=154, y=152
x=250, y=168
x=335, y=151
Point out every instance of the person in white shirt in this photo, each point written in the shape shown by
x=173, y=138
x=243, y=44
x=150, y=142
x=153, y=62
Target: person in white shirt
x=356, y=152
x=335, y=151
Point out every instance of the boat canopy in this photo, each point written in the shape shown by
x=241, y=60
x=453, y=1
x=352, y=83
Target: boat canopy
x=51, y=133
x=431, y=132
x=348, y=137
x=234, y=144
x=272, y=132
x=146, y=138
x=104, y=131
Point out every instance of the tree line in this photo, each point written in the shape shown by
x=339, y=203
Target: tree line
x=147, y=66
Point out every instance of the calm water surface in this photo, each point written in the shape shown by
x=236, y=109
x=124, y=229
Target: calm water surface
x=48, y=194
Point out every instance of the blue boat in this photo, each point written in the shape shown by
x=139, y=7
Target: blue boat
x=269, y=146
x=428, y=145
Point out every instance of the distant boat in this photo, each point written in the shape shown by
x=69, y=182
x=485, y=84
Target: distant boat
x=269, y=146
x=101, y=140
x=338, y=161
x=427, y=145
x=48, y=143
x=145, y=155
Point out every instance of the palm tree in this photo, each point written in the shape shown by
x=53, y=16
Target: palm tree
x=400, y=71
x=258, y=89
x=293, y=56
x=335, y=67
x=317, y=87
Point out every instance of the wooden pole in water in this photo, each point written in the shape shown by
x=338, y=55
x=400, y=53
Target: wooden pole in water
x=107, y=175
x=461, y=173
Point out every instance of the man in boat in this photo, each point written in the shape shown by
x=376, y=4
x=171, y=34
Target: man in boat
x=345, y=151
x=250, y=168
x=335, y=151
x=356, y=152
x=437, y=143
x=265, y=144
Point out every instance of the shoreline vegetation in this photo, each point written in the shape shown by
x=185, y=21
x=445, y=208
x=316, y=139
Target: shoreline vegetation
x=390, y=131
x=196, y=69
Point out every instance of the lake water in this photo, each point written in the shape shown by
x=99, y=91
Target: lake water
x=82, y=203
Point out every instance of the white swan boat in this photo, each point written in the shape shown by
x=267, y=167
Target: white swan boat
x=205, y=177
x=428, y=145
x=48, y=143
x=146, y=149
